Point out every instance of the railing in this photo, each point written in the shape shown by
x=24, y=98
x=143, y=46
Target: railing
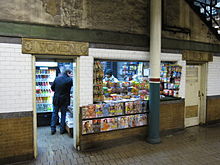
x=209, y=10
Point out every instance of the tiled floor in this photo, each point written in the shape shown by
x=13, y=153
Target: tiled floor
x=193, y=146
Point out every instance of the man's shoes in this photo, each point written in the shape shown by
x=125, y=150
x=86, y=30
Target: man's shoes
x=53, y=132
x=62, y=132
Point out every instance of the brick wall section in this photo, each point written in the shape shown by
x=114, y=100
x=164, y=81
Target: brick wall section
x=172, y=115
x=213, y=109
x=86, y=80
x=16, y=79
x=16, y=139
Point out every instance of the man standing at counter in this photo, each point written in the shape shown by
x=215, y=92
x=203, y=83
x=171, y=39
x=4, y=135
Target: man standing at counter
x=61, y=87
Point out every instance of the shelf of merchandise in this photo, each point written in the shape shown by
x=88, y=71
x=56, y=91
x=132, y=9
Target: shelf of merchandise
x=42, y=74
x=96, y=118
x=45, y=103
x=114, y=130
x=44, y=111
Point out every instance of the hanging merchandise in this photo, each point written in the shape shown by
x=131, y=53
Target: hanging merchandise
x=170, y=80
x=98, y=75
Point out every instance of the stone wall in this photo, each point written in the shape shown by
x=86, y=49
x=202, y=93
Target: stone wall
x=130, y=16
x=62, y=13
x=180, y=16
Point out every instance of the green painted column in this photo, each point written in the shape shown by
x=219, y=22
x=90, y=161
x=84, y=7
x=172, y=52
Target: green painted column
x=154, y=114
x=155, y=50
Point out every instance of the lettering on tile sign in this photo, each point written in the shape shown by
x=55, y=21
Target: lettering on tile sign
x=39, y=46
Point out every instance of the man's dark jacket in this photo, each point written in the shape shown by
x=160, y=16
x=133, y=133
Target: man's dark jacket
x=62, y=86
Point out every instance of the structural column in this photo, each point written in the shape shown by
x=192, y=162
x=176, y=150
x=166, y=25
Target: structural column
x=155, y=50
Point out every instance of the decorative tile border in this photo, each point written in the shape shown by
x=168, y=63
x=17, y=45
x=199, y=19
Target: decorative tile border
x=15, y=115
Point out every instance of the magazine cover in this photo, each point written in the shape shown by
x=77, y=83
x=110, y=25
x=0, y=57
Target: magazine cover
x=137, y=107
x=119, y=108
x=113, y=123
x=129, y=107
x=87, y=127
x=123, y=122
x=105, y=126
x=99, y=110
x=84, y=110
x=144, y=106
x=142, y=119
x=91, y=111
x=112, y=111
x=96, y=125
x=106, y=109
x=132, y=121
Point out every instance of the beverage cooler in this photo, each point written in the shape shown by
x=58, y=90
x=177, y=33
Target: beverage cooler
x=45, y=76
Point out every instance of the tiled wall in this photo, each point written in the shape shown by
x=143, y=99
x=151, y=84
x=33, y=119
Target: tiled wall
x=140, y=56
x=213, y=91
x=16, y=118
x=86, y=80
x=15, y=79
x=213, y=85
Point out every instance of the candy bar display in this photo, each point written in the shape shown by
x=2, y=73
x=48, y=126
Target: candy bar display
x=97, y=81
x=170, y=80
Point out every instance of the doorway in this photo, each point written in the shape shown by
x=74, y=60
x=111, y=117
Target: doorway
x=195, y=94
x=46, y=70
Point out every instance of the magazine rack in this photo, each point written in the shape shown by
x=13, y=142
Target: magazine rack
x=97, y=129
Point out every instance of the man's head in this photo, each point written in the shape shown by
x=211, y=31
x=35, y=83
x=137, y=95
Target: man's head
x=108, y=73
x=68, y=72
